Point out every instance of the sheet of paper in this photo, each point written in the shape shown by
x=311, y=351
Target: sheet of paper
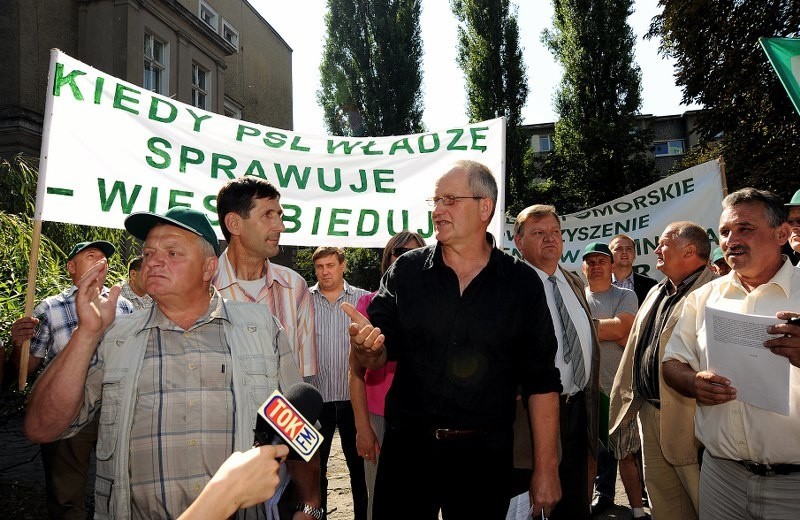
x=736, y=351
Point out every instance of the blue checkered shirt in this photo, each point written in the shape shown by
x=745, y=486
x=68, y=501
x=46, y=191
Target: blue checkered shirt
x=57, y=319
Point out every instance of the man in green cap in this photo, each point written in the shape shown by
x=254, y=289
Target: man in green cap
x=718, y=263
x=66, y=462
x=613, y=309
x=792, y=248
x=180, y=384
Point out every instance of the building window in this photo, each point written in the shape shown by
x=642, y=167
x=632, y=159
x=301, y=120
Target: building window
x=155, y=64
x=232, y=109
x=209, y=15
x=230, y=34
x=665, y=148
x=200, y=86
x=545, y=143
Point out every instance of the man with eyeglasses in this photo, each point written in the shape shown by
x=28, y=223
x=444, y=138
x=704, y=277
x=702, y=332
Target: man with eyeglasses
x=537, y=235
x=467, y=326
x=793, y=249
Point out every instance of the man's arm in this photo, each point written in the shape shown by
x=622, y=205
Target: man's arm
x=23, y=330
x=366, y=341
x=615, y=329
x=306, y=476
x=706, y=387
x=366, y=441
x=545, y=487
x=306, y=332
x=57, y=396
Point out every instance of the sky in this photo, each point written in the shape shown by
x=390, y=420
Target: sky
x=301, y=24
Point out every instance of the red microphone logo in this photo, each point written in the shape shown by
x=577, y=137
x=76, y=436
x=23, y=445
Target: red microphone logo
x=291, y=425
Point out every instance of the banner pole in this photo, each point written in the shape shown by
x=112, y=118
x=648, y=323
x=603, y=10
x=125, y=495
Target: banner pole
x=723, y=177
x=30, y=294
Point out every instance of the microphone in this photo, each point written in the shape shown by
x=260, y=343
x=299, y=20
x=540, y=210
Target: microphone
x=290, y=420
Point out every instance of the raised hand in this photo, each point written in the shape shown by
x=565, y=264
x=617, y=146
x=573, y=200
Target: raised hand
x=95, y=312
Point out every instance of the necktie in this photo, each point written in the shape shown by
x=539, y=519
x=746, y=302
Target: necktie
x=573, y=355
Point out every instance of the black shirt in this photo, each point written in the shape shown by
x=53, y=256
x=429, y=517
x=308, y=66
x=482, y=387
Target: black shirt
x=647, y=362
x=461, y=358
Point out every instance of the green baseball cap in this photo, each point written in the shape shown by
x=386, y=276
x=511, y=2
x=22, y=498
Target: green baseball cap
x=795, y=199
x=717, y=255
x=106, y=247
x=596, y=248
x=140, y=224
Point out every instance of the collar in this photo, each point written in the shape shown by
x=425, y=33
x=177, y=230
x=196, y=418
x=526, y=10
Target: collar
x=216, y=310
x=783, y=279
x=434, y=255
x=226, y=274
x=346, y=289
x=629, y=278
x=559, y=274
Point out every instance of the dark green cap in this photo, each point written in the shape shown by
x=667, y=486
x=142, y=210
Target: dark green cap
x=795, y=199
x=106, y=247
x=140, y=224
x=596, y=248
x=717, y=255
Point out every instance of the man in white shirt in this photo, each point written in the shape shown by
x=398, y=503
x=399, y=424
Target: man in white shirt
x=751, y=467
x=537, y=235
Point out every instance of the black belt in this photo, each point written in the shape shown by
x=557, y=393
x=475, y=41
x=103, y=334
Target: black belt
x=569, y=400
x=768, y=470
x=449, y=434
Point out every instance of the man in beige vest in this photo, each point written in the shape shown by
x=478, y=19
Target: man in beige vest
x=671, y=472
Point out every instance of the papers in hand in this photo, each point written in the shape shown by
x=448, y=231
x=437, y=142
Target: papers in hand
x=735, y=349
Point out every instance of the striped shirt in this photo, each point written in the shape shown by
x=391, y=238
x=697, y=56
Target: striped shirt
x=625, y=283
x=285, y=293
x=58, y=317
x=183, y=422
x=333, y=342
x=138, y=302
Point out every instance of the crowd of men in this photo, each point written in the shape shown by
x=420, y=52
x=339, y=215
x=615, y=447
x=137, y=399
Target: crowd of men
x=512, y=376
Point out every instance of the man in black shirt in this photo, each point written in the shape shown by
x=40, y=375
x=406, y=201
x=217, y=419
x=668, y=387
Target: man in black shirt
x=468, y=326
x=669, y=447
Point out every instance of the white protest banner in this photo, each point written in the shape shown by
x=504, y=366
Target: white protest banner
x=116, y=148
x=694, y=194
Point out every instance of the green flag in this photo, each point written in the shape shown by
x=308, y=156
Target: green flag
x=784, y=54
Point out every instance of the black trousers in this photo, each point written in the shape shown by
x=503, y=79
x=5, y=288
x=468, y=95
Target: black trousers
x=573, y=470
x=339, y=414
x=464, y=478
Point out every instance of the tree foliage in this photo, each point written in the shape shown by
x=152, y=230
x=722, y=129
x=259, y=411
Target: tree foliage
x=18, y=179
x=490, y=55
x=720, y=65
x=371, y=68
x=599, y=152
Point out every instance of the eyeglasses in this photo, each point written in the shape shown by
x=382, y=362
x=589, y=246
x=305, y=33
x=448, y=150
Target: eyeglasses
x=793, y=222
x=397, y=251
x=448, y=200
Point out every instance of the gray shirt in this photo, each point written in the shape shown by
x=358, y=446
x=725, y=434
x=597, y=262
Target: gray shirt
x=608, y=304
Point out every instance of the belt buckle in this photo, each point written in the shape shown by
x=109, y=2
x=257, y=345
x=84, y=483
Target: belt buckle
x=441, y=434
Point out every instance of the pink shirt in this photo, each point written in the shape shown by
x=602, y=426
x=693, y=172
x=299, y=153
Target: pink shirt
x=377, y=381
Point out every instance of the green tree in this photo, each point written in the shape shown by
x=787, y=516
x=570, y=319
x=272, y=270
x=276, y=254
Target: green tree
x=720, y=65
x=18, y=178
x=371, y=68
x=490, y=55
x=600, y=153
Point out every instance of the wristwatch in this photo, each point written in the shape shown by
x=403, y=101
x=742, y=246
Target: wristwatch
x=314, y=512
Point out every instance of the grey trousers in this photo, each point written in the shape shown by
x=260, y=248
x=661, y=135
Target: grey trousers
x=730, y=492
